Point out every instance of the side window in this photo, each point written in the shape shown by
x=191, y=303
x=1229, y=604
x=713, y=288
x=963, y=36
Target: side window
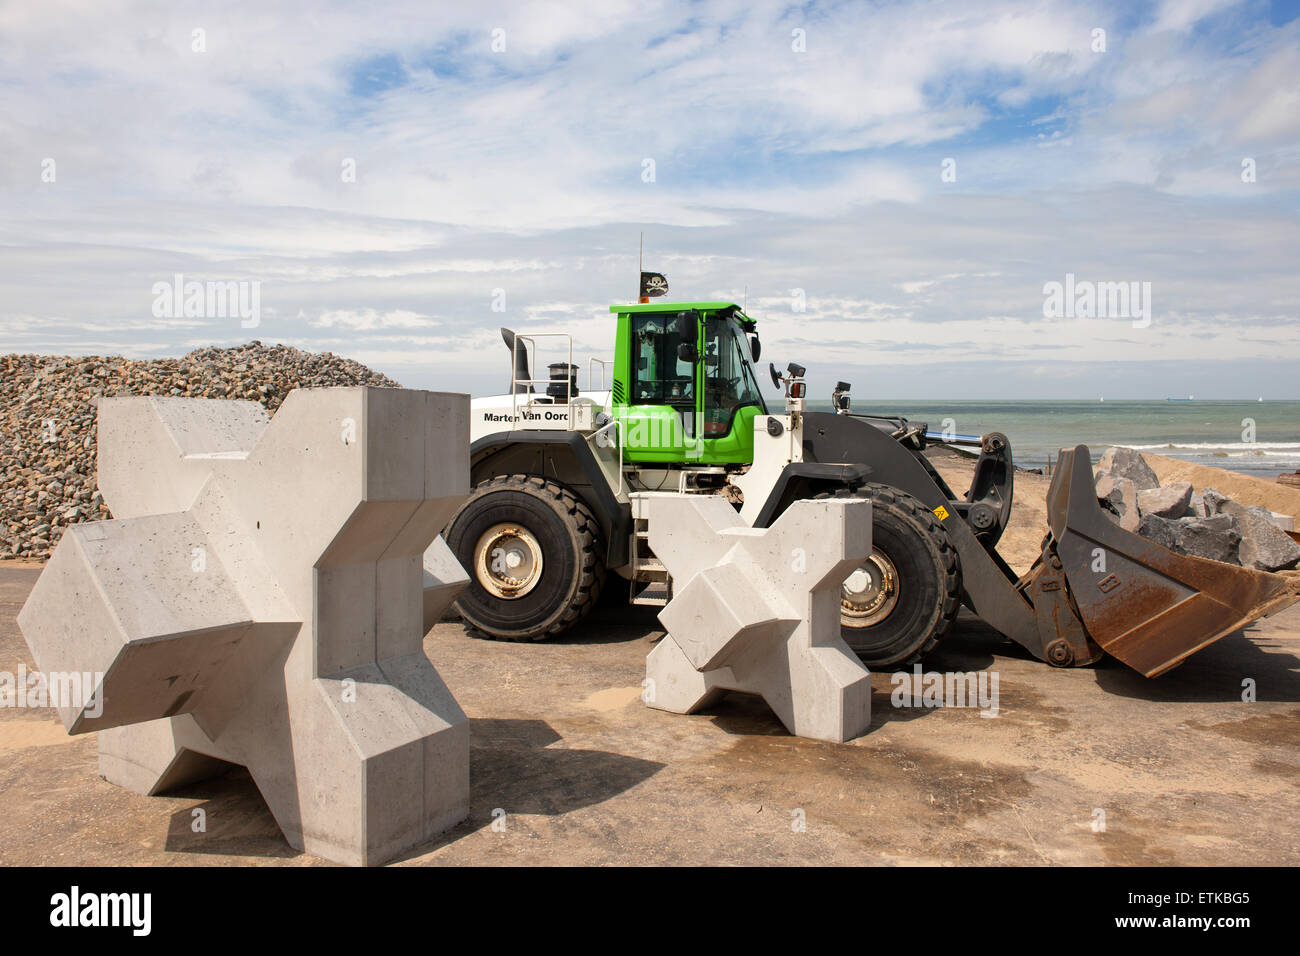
x=658, y=376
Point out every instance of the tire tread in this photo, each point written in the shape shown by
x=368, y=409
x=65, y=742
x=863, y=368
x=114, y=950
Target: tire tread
x=947, y=554
x=591, y=575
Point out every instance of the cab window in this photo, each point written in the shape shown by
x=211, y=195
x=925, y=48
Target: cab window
x=728, y=378
x=659, y=377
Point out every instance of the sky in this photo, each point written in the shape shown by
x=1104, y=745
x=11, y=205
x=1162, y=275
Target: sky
x=889, y=188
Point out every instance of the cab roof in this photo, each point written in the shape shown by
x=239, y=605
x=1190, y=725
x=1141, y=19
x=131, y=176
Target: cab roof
x=745, y=323
x=675, y=307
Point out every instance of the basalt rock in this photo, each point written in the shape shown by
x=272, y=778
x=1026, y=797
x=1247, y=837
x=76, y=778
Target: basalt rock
x=1169, y=501
x=1118, y=496
x=1264, y=546
x=1217, y=537
x=1127, y=463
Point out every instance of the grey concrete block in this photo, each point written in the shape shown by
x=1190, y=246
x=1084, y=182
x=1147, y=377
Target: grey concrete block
x=758, y=611
x=444, y=579
x=261, y=600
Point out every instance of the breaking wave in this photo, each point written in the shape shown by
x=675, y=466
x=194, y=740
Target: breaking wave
x=1233, y=447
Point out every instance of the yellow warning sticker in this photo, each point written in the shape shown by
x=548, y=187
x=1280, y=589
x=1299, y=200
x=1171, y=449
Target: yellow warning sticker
x=941, y=513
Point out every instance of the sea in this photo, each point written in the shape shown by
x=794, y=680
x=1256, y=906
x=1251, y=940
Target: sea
x=1250, y=437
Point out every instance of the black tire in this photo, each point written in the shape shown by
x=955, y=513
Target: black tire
x=572, y=568
x=915, y=543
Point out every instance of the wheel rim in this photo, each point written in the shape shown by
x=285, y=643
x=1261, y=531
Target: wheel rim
x=508, y=561
x=869, y=594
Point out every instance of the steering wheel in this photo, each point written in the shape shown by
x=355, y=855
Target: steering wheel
x=716, y=383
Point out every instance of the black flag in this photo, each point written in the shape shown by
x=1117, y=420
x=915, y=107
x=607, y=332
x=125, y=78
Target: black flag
x=653, y=283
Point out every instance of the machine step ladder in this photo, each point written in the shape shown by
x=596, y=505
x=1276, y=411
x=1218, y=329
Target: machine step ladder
x=651, y=584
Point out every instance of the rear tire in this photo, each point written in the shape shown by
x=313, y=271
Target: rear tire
x=534, y=556
x=914, y=588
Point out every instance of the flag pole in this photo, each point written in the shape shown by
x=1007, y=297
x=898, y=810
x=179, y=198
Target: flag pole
x=640, y=268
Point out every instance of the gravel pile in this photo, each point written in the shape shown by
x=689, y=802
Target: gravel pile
x=47, y=421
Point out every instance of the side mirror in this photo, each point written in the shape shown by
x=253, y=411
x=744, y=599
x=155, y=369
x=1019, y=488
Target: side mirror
x=688, y=325
x=755, y=347
x=688, y=330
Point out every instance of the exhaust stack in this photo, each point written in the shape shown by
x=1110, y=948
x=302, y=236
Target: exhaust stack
x=521, y=374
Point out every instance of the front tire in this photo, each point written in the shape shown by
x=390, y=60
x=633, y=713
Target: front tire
x=534, y=555
x=904, y=598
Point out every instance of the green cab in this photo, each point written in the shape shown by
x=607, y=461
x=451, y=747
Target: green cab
x=685, y=388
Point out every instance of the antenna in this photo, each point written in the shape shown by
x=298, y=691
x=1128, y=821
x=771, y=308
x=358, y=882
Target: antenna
x=744, y=301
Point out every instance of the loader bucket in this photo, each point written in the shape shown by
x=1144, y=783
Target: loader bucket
x=1147, y=605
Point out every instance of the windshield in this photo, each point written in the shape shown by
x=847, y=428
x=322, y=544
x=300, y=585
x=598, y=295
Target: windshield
x=729, y=379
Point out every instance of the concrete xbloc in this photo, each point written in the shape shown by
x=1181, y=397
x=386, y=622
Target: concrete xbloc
x=261, y=599
x=758, y=610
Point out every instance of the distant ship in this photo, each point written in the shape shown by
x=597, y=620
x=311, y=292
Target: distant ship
x=1189, y=398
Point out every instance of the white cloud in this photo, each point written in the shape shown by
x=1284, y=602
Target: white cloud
x=775, y=170
x=1185, y=14
x=367, y=320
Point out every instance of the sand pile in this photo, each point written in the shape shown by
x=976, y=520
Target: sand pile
x=1244, y=489
x=47, y=421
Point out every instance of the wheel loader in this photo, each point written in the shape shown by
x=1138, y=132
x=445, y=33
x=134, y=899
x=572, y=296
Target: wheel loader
x=561, y=479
